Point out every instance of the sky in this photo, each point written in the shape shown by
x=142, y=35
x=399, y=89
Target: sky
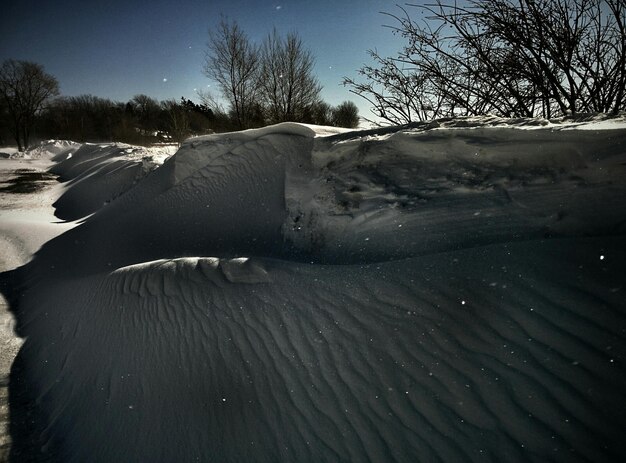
x=119, y=48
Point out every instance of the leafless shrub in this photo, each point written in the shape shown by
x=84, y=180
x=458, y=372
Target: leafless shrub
x=514, y=58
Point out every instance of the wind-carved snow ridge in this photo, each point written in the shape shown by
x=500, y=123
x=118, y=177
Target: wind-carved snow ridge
x=237, y=270
x=411, y=192
x=285, y=191
x=98, y=174
x=451, y=291
x=49, y=149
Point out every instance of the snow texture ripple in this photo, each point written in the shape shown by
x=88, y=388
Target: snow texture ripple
x=448, y=292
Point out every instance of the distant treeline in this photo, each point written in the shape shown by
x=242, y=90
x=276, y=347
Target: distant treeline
x=260, y=84
x=142, y=120
x=31, y=110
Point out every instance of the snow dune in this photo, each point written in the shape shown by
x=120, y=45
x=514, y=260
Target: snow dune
x=97, y=174
x=442, y=292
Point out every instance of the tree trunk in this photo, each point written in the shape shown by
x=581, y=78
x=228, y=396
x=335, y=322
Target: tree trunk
x=16, y=134
x=17, y=140
x=25, y=137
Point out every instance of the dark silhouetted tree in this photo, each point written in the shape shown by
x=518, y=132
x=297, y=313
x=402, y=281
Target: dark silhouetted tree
x=232, y=61
x=220, y=121
x=514, y=58
x=176, y=120
x=320, y=113
x=25, y=88
x=146, y=111
x=199, y=115
x=346, y=115
x=288, y=86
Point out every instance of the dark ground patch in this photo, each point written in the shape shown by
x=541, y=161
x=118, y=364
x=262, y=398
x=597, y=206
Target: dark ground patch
x=27, y=181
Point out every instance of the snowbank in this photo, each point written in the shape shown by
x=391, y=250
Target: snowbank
x=27, y=218
x=448, y=291
x=49, y=149
x=351, y=198
x=7, y=152
x=60, y=150
x=98, y=174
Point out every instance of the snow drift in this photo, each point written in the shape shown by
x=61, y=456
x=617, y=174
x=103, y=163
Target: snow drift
x=43, y=150
x=98, y=174
x=449, y=291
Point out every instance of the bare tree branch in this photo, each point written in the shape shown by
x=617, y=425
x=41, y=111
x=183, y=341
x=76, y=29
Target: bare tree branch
x=25, y=89
x=233, y=62
x=515, y=58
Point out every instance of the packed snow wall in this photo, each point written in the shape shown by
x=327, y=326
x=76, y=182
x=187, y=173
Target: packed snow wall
x=443, y=292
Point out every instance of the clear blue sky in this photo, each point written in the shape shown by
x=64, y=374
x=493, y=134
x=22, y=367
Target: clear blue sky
x=119, y=48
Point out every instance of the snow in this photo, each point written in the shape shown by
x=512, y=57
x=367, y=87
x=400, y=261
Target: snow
x=26, y=221
x=7, y=152
x=63, y=149
x=440, y=291
x=43, y=150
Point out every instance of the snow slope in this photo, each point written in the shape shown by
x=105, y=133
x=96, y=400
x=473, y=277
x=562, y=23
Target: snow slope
x=443, y=292
x=98, y=174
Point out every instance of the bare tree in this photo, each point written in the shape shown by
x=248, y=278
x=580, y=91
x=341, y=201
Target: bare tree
x=346, y=115
x=397, y=92
x=210, y=101
x=289, y=87
x=177, y=120
x=220, y=121
x=507, y=57
x=321, y=113
x=232, y=61
x=146, y=111
x=25, y=89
